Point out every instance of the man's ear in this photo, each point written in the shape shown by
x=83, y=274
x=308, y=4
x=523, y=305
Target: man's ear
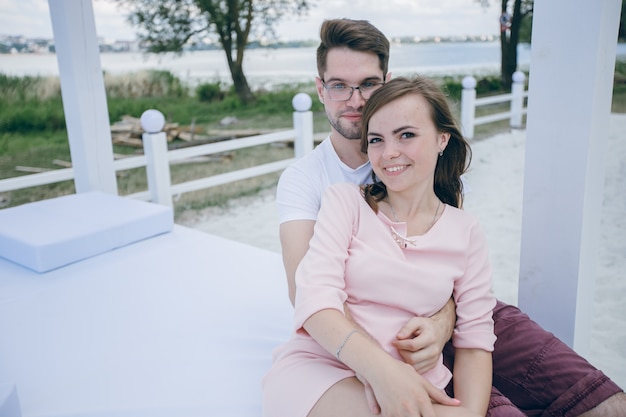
x=388, y=77
x=320, y=89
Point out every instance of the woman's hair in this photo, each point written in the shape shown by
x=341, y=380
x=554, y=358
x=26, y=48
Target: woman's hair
x=456, y=157
x=357, y=35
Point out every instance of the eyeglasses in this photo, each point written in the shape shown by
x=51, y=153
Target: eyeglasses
x=342, y=92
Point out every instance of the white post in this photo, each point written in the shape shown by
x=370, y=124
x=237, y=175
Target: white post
x=566, y=146
x=468, y=106
x=157, y=163
x=84, y=98
x=517, y=101
x=302, y=124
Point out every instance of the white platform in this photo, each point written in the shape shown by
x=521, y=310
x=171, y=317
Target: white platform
x=181, y=324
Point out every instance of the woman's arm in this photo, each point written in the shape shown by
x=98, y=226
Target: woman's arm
x=472, y=379
x=473, y=336
x=396, y=385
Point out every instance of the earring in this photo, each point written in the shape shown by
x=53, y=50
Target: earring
x=441, y=153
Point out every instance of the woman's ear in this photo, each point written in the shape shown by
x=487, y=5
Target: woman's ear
x=444, y=138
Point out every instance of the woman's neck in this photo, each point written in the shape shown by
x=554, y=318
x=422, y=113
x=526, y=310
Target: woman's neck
x=420, y=214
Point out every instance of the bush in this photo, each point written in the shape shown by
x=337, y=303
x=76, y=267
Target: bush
x=488, y=85
x=32, y=116
x=209, y=92
x=452, y=88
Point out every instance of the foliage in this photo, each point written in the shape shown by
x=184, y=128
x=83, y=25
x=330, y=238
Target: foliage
x=31, y=145
x=208, y=92
x=151, y=83
x=33, y=104
x=485, y=85
x=173, y=25
x=30, y=104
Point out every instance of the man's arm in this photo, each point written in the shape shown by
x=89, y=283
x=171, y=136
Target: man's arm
x=294, y=239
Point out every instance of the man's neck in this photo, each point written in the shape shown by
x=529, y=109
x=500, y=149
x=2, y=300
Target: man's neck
x=348, y=150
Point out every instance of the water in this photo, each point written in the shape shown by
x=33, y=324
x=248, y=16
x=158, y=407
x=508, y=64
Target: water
x=265, y=67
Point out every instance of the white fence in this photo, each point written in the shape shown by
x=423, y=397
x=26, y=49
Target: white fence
x=157, y=158
x=469, y=102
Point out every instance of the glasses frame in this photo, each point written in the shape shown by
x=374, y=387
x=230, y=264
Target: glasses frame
x=358, y=87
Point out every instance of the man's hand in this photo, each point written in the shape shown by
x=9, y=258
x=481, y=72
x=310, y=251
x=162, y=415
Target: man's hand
x=421, y=340
x=418, y=344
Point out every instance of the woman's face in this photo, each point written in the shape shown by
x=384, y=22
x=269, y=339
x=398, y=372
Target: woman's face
x=404, y=144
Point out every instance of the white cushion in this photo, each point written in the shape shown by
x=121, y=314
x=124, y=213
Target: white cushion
x=49, y=234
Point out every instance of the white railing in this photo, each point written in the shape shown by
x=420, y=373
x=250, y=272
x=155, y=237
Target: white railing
x=157, y=158
x=469, y=102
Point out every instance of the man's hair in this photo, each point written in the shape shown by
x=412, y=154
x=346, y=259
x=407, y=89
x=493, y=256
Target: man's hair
x=457, y=155
x=357, y=35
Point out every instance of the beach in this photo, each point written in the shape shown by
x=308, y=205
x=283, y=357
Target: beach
x=496, y=181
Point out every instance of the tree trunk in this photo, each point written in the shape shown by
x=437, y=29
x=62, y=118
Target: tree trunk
x=509, y=62
x=241, y=83
x=509, y=38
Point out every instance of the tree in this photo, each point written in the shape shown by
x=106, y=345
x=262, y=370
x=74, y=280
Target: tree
x=170, y=25
x=512, y=17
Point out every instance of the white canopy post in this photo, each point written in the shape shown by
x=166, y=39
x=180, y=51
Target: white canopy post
x=570, y=87
x=84, y=97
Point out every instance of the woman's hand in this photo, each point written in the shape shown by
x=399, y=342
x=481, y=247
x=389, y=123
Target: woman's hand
x=372, y=403
x=402, y=392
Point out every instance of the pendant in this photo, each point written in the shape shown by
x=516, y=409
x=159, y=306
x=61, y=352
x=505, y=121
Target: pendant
x=402, y=241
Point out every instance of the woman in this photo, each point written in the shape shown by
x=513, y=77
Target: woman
x=394, y=249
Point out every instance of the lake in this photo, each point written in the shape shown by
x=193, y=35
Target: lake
x=265, y=67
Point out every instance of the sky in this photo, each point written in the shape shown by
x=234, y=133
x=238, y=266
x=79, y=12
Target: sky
x=395, y=18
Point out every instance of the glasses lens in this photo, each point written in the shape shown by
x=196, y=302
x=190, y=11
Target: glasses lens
x=367, y=89
x=343, y=92
x=339, y=92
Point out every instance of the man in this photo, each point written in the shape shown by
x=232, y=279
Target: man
x=534, y=373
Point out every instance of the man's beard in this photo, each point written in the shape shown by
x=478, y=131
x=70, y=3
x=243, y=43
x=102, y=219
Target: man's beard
x=351, y=131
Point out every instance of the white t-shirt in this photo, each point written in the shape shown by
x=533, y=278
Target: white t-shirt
x=302, y=184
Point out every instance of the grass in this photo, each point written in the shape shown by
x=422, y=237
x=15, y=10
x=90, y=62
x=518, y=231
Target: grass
x=32, y=129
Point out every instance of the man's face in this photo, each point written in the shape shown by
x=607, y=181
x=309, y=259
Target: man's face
x=353, y=69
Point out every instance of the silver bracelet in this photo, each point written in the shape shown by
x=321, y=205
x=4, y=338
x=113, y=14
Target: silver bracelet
x=345, y=340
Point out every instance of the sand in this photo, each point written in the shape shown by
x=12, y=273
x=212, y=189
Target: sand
x=496, y=180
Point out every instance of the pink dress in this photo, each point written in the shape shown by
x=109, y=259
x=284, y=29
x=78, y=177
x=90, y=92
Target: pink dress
x=354, y=258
